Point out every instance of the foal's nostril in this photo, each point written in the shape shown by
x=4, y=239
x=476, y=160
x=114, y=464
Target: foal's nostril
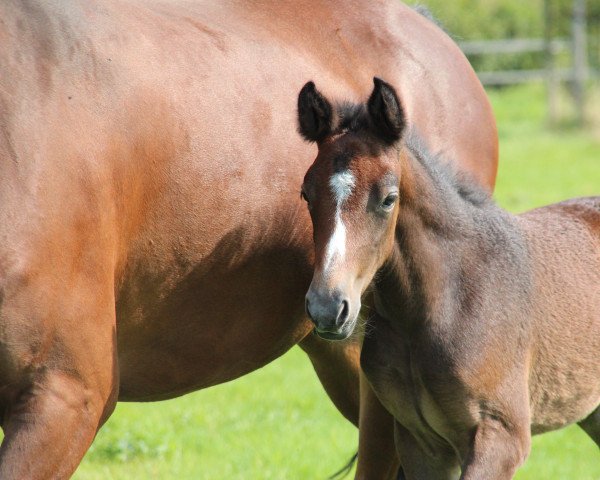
x=326, y=309
x=307, y=308
x=343, y=313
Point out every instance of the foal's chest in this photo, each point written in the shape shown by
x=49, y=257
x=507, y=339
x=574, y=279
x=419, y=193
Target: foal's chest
x=420, y=394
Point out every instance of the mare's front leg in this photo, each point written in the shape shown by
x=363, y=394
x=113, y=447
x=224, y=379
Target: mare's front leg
x=58, y=370
x=377, y=457
x=338, y=367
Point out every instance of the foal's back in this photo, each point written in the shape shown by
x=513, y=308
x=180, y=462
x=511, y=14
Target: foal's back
x=564, y=241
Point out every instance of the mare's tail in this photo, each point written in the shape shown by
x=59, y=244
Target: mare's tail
x=345, y=470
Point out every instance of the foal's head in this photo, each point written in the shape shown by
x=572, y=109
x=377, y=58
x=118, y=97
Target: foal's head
x=352, y=191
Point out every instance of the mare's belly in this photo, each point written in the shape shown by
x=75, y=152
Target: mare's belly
x=219, y=321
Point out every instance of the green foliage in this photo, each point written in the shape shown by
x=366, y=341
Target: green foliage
x=127, y=447
x=494, y=19
x=475, y=20
x=503, y=19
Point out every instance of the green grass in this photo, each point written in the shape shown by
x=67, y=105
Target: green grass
x=275, y=423
x=538, y=165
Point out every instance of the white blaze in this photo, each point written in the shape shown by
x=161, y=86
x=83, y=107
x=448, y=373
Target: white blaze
x=341, y=185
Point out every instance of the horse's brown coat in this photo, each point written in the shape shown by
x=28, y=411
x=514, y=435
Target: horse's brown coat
x=152, y=241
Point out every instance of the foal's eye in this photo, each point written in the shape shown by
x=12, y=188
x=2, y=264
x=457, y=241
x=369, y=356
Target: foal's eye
x=389, y=201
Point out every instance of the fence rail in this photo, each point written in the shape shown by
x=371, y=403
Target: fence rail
x=513, y=45
x=576, y=45
x=513, y=77
x=521, y=45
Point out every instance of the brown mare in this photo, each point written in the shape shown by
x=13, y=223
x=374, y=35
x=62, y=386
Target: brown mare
x=152, y=241
x=486, y=325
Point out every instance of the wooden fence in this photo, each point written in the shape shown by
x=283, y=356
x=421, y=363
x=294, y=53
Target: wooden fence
x=516, y=46
x=576, y=74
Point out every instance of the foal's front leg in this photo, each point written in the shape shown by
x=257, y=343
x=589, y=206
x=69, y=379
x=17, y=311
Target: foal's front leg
x=438, y=463
x=497, y=451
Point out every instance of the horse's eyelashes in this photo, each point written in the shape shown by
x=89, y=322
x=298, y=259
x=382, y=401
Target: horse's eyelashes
x=303, y=196
x=389, y=201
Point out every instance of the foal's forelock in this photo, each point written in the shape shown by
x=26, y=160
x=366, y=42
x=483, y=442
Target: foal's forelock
x=341, y=185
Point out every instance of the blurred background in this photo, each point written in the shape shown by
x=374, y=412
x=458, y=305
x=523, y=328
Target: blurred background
x=512, y=42
x=540, y=63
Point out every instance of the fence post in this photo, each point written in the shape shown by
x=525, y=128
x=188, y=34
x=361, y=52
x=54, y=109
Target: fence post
x=551, y=78
x=579, y=59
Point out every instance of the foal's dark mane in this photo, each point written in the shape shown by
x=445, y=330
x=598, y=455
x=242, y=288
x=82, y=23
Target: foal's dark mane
x=425, y=12
x=442, y=172
x=354, y=118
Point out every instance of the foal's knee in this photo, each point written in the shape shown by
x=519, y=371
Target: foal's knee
x=513, y=453
x=497, y=451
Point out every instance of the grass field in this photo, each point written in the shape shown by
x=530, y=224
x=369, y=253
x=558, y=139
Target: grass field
x=278, y=424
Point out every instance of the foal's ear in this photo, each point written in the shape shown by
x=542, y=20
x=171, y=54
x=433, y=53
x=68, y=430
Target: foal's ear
x=315, y=116
x=386, y=112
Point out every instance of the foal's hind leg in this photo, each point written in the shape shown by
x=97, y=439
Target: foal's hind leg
x=591, y=425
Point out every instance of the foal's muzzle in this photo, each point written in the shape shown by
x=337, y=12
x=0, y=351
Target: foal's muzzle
x=329, y=311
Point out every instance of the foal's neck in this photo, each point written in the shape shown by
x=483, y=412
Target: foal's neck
x=445, y=233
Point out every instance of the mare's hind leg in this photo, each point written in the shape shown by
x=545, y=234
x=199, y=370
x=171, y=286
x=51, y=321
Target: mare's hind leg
x=591, y=425
x=337, y=365
x=57, y=369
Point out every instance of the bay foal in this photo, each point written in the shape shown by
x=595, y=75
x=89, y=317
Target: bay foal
x=486, y=326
